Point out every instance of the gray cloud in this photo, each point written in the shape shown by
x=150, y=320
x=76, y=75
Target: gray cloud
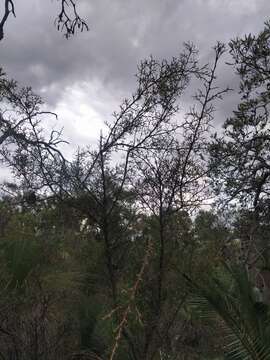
x=122, y=32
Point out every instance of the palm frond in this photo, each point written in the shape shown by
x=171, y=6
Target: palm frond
x=228, y=298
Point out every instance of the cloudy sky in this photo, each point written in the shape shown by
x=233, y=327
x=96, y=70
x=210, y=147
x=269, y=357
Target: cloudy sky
x=84, y=79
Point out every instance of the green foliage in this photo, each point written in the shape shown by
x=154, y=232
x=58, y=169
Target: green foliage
x=240, y=156
x=228, y=297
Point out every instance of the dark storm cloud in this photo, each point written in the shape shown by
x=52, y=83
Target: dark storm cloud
x=122, y=32
x=84, y=78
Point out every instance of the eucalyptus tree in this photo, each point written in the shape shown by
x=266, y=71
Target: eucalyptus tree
x=170, y=179
x=240, y=157
x=140, y=124
x=24, y=140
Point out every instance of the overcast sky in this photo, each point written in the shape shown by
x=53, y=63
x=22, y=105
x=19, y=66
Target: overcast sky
x=84, y=79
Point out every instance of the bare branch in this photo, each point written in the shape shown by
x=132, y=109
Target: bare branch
x=68, y=19
x=9, y=9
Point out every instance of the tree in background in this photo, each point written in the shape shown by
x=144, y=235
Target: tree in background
x=241, y=156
